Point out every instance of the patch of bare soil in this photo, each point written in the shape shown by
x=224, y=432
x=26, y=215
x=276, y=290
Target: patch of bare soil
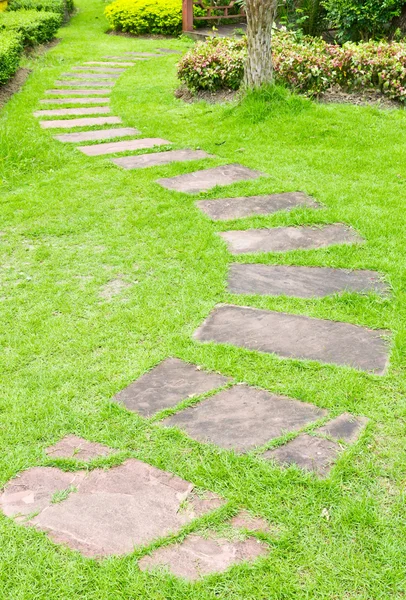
x=42, y=48
x=13, y=85
x=219, y=97
x=365, y=98
x=113, y=288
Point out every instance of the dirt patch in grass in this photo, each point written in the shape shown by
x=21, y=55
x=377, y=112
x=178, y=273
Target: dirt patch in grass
x=13, y=85
x=218, y=97
x=42, y=48
x=113, y=288
x=365, y=98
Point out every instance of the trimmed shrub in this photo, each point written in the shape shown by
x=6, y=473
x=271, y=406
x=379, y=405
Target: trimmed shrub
x=145, y=16
x=56, y=6
x=35, y=27
x=11, y=48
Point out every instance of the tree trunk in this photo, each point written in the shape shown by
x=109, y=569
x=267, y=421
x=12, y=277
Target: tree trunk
x=400, y=21
x=260, y=17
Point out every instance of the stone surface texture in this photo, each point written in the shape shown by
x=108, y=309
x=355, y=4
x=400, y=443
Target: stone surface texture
x=99, y=69
x=198, y=556
x=307, y=452
x=75, y=101
x=54, y=112
x=160, y=158
x=243, y=417
x=201, y=181
x=113, y=147
x=300, y=282
x=102, y=134
x=284, y=239
x=93, y=92
x=86, y=84
x=346, y=427
x=91, y=76
x=166, y=385
x=296, y=336
x=110, y=64
x=72, y=446
x=85, y=122
x=244, y=520
x=226, y=209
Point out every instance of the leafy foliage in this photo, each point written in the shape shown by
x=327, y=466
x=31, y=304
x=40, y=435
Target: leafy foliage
x=307, y=16
x=35, y=27
x=56, y=6
x=146, y=16
x=10, y=51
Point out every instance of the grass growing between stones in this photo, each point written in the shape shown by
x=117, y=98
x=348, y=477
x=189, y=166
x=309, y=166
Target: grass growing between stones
x=71, y=224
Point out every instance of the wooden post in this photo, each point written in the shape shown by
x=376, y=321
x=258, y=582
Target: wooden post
x=187, y=12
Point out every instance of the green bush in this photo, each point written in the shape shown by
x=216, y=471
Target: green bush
x=35, y=27
x=10, y=51
x=145, y=16
x=56, y=6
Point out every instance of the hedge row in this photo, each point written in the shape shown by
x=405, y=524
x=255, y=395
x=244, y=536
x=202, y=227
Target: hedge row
x=10, y=50
x=35, y=27
x=64, y=7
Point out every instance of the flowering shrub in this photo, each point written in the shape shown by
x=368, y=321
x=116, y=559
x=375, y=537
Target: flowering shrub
x=146, y=16
x=308, y=65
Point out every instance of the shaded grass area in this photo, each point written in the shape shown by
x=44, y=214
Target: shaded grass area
x=70, y=224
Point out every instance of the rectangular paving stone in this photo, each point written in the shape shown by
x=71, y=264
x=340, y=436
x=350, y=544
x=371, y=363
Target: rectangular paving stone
x=93, y=84
x=169, y=51
x=102, y=92
x=284, y=239
x=242, y=417
x=143, y=54
x=160, y=158
x=99, y=69
x=113, y=64
x=300, y=282
x=72, y=446
x=226, y=209
x=166, y=385
x=297, y=336
x=198, y=556
x=308, y=453
x=102, y=134
x=85, y=122
x=90, y=76
x=201, y=181
x=75, y=101
x=346, y=427
x=72, y=111
x=112, y=147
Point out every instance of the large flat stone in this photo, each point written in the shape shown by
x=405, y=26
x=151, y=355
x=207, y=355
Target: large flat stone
x=169, y=51
x=307, y=452
x=72, y=446
x=120, y=63
x=242, y=417
x=85, y=122
x=86, y=84
x=102, y=134
x=227, y=209
x=143, y=54
x=75, y=101
x=102, y=92
x=72, y=111
x=200, y=181
x=301, y=282
x=284, y=239
x=113, y=147
x=296, y=336
x=346, y=427
x=198, y=556
x=166, y=385
x=91, y=76
x=160, y=158
x=100, y=69
x=115, y=510
x=244, y=520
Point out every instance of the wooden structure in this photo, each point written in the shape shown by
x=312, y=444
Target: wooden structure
x=213, y=12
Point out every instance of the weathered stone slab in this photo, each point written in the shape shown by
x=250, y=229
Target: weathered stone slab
x=296, y=336
x=85, y=122
x=120, y=62
x=115, y=510
x=113, y=147
x=198, y=556
x=242, y=417
x=301, y=282
x=75, y=101
x=160, y=158
x=143, y=54
x=244, y=520
x=72, y=111
x=72, y=446
x=99, y=69
x=346, y=427
x=284, y=239
x=227, y=209
x=102, y=134
x=166, y=385
x=89, y=76
x=102, y=92
x=169, y=51
x=94, y=84
x=307, y=452
x=201, y=181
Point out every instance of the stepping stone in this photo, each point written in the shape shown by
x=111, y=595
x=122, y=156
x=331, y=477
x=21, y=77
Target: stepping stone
x=300, y=282
x=296, y=336
x=284, y=239
x=169, y=51
x=142, y=54
x=111, y=64
x=198, y=556
x=242, y=417
x=227, y=209
x=75, y=101
x=112, y=147
x=102, y=92
x=99, y=69
x=107, y=511
x=346, y=427
x=308, y=453
x=72, y=111
x=85, y=122
x=201, y=181
x=160, y=158
x=166, y=385
x=72, y=446
x=91, y=75
x=94, y=84
x=244, y=520
x=103, y=134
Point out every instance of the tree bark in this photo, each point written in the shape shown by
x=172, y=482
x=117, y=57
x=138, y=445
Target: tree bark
x=260, y=17
x=400, y=21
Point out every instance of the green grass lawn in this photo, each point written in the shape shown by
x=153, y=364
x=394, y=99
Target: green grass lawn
x=71, y=224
